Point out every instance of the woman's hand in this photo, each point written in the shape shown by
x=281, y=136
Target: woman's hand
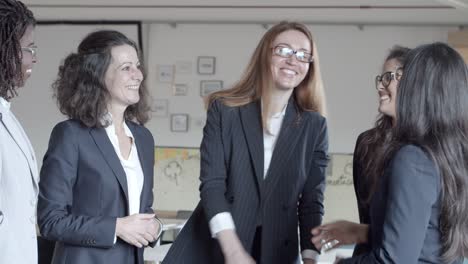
x=239, y=257
x=339, y=233
x=137, y=229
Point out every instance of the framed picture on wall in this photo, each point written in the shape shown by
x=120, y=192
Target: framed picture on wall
x=180, y=89
x=206, y=65
x=179, y=122
x=208, y=87
x=160, y=107
x=166, y=73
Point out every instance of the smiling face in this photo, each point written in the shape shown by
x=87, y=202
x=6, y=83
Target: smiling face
x=387, y=95
x=28, y=58
x=123, y=77
x=288, y=73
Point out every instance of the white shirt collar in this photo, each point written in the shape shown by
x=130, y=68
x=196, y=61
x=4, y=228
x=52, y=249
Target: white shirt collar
x=5, y=103
x=111, y=129
x=279, y=114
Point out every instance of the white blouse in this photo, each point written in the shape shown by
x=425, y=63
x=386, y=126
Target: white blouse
x=131, y=166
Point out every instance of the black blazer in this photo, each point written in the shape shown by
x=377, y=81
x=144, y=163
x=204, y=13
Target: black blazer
x=404, y=212
x=232, y=181
x=83, y=189
x=361, y=188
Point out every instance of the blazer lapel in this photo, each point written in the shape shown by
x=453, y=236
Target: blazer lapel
x=105, y=146
x=139, y=146
x=14, y=130
x=252, y=126
x=287, y=140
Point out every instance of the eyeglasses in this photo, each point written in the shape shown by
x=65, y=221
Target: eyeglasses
x=287, y=52
x=387, y=77
x=32, y=50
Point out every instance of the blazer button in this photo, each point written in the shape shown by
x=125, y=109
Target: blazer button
x=94, y=242
x=1, y=217
x=231, y=199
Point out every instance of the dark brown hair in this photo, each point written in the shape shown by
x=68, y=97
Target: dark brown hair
x=80, y=88
x=375, y=142
x=15, y=18
x=432, y=113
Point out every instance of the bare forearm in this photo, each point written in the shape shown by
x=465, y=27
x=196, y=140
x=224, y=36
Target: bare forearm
x=229, y=242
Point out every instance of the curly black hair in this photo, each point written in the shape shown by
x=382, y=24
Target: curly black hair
x=15, y=18
x=80, y=88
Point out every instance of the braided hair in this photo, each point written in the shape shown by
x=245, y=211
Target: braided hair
x=15, y=17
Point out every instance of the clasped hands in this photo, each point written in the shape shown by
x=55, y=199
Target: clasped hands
x=139, y=229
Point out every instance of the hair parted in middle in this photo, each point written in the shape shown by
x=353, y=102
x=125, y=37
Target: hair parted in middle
x=309, y=94
x=80, y=88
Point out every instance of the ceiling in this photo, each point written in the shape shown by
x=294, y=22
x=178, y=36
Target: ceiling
x=377, y=12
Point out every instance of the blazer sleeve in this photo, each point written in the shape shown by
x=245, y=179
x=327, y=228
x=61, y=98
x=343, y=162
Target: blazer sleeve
x=58, y=177
x=413, y=189
x=212, y=165
x=310, y=208
x=149, y=179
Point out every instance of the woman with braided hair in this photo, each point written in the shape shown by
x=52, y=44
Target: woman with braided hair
x=18, y=169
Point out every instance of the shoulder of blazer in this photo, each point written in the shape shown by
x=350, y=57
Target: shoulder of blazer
x=313, y=117
x=141, y=130
x=219, y=106
x=72, y=124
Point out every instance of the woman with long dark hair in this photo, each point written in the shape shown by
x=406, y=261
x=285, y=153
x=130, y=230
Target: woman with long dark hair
x=18, y=168
x=369, y=144
x=419, y=205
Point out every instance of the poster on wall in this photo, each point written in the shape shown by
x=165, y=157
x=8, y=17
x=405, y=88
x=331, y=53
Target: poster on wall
x=160, y=107
x=206, y=65
x=211, y=86
x=165, y=73
x=179, y=122
x=176, y=178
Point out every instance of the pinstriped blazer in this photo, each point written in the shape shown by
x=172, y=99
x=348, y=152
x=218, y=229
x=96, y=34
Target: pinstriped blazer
x=232, y=181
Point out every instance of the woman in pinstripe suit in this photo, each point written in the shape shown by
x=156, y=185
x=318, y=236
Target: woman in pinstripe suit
x=263, y=160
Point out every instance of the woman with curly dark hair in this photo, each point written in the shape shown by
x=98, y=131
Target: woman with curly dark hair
x=97, y=176
x=18, y=169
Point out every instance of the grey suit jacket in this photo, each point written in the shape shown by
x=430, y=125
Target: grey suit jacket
x=18, y=193
x=83, y=190
x=404, y=212
x=232, y=181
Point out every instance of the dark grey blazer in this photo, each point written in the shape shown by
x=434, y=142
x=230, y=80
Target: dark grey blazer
x=232, y=181
x=404, y=212
x=83, y=189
